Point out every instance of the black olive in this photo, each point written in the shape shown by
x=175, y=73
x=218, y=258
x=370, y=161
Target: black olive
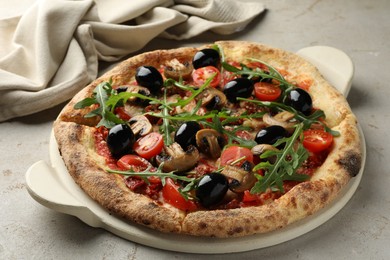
x=240, y=87
x=149, y=77
x=121, y=89
x=211, y=189
x=185, y=134
x=300, y=100
x=120, y=140
x=206, y=57
x=247, y=166
x=214, y=104
x=270, y=134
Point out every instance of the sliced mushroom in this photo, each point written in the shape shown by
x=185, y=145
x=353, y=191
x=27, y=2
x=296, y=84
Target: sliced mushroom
x=212, y=99
x=210, y=142
x=240, y=179
x=175, y=69
x=176, y=159
x=140, y=125
x=261, y=148
x=281, y=119
x=139, y=90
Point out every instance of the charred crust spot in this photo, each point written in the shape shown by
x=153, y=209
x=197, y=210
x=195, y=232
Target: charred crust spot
x=293, y=202
x=351, y=162
x=75, y=135
x=152, y=205
x=324, y=197
x=146, y=222
x=202, y=225
x=236, y=230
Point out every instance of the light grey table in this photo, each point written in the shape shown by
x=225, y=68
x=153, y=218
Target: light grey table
x=360, y=230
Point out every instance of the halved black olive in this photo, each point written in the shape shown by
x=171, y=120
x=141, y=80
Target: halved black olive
x=206, y=57
x=149, y=77
x=300, y=100
x=121, y=89
x=211, y=189
x=270, y=134
x=240, y=87
x=185, y=134
x=120, y=140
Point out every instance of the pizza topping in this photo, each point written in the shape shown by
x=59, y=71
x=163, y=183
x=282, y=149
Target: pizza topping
x=316, y=140
x=212, y=99
x=176, y=159
x=240, y=179
x=185, y=134
x=261, y=148
x=210, y=142
x=266, y=91
x=239, y=87
x=134, y=163
x=206, y=57
x=236, y=155
x=211, y=189
x=288, y=160
x=200, y=76
x=300, y=100
x=171, y=194
x=120, y=140
x=149, y=77
x=137, y=89
x=149, y=145
x=270, y=134
x=140, y=125
x=177, y=70
x=282, y=119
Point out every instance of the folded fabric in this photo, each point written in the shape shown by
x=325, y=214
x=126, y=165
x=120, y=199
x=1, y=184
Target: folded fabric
x=50, y=50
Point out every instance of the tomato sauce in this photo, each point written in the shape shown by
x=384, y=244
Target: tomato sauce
x=102, y=148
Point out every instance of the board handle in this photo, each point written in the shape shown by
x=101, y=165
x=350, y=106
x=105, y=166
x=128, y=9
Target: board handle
x=335, y=65
x=47, y=189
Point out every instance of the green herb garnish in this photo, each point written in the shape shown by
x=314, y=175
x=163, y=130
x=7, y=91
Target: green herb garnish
x=288, y=160
x=101, y=95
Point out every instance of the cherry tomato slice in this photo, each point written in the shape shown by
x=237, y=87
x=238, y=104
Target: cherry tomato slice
x=234, y=153
x=265, y=91
x=172, y=196
x=316, y=140
x=249, y=197
x=201, y=75
x=149, y=145
x=133, y=162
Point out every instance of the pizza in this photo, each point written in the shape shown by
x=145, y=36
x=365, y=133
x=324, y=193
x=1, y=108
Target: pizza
x=225, y=140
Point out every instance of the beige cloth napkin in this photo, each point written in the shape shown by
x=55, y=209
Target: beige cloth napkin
x=49, y=49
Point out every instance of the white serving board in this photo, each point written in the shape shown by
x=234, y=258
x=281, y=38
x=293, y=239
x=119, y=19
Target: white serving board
x=52, y=186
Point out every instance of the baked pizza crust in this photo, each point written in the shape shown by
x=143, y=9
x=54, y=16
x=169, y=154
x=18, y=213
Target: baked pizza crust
x=74, y=134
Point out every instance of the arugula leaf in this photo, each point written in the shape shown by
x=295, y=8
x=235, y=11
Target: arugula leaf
x=166, y=128
x=272, y=73
x=314, y=118
x=101, y=94
x=122, y=97
x=85, y=103
x=288, y=160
